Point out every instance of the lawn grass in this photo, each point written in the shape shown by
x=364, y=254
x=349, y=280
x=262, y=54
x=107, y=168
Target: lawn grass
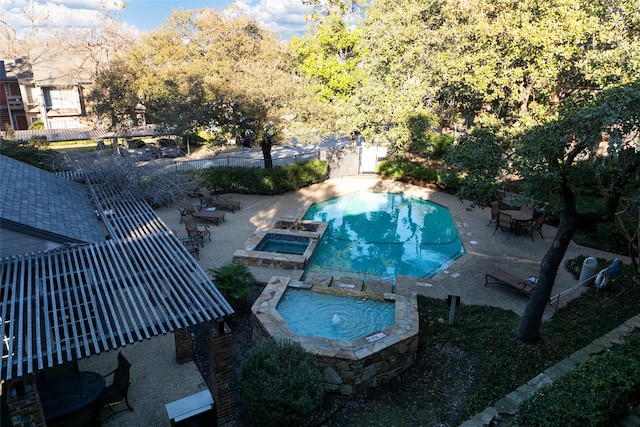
x=502, y=362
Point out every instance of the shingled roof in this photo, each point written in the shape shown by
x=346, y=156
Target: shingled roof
x=38, y=203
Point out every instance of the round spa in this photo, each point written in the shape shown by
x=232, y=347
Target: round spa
x=359, y=341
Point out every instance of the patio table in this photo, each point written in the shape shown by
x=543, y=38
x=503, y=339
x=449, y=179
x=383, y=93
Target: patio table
x=70, y=393
x=518, y=217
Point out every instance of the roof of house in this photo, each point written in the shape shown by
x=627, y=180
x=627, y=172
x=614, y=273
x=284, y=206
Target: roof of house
x=81, y=134
x=18, y=69
x=83, y=299
x=38, y=203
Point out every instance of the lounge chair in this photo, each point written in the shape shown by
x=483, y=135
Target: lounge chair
x=499, y=277
x=208, y=200
x=209, y=215
x=194, y=232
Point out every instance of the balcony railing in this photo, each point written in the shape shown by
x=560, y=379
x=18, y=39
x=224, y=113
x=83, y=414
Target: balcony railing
x=15, y=102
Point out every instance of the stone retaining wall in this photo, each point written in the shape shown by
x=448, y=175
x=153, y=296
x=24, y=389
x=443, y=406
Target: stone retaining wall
x=347, y=367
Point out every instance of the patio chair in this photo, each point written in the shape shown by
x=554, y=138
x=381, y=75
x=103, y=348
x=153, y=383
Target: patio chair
x=209, y=200
x=534, y=226
x=117, y=391
x=500, y=277
x=527, y=209
x=195, y=232
x=211, y=215
x=495, y=209
x=505, y=222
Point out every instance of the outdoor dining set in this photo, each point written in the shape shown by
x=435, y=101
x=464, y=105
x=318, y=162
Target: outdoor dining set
x=70, y=397
x=522, y=220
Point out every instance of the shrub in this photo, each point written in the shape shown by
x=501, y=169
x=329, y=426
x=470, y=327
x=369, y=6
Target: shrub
x=40, y=157
x=596, y=393
x=39, y=142
x=432, y=145
x=277, y=180
x=233, y=280
x=405, y=171
x=279, y=384
x=37, y=125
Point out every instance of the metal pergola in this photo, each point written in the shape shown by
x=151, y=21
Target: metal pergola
x=80, y=300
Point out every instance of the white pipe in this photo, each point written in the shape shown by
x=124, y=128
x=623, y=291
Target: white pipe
x=576, y=286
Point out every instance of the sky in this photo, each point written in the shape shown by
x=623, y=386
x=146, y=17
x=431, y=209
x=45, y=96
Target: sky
x=285, y=17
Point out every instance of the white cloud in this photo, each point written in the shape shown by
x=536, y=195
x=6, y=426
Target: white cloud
x=282, y=16
x=23, y=15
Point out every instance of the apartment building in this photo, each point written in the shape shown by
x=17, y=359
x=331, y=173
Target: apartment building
x=45, y=86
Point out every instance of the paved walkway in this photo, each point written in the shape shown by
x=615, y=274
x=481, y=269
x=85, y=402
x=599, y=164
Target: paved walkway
x=156, y=377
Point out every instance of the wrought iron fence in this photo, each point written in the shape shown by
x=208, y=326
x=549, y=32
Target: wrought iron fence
x=235, y=161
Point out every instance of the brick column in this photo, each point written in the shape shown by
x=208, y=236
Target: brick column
x=184, y=344
x=222, y=383
x=24, y=405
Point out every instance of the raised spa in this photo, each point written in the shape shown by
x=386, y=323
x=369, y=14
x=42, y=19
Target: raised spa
x=350, y=362
x=286, y=245
x=283, y=244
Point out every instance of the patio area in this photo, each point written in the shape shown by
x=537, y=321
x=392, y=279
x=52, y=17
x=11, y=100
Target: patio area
x=158, y=379
x=485, y=252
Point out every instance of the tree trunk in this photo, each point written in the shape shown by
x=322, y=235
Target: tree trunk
x=266, y=145
x=529, y=326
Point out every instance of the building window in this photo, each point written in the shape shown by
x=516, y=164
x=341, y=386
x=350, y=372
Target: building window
x=58, y=98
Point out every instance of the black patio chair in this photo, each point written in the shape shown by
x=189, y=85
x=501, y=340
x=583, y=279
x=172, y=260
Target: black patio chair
x=116, y=392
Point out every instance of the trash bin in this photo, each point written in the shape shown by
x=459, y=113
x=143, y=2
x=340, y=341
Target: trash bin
x=588, y=271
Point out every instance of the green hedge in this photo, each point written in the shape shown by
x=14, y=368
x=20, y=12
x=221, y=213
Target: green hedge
x=405, y=171
x=595, y=393
x=277, y=180
x=280, y=384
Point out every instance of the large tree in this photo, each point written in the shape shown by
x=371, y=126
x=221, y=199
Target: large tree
x=206, y=69
x=594, y=136
x=113, y=101
x=514, y=59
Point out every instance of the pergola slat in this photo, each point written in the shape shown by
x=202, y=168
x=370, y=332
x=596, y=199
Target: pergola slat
x=90, y=304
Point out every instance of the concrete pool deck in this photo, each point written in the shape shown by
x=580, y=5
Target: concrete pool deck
x=485, y=252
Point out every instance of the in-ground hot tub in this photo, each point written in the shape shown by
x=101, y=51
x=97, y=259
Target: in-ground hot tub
x=283, y=244
x=286, y=245
x=352, y=364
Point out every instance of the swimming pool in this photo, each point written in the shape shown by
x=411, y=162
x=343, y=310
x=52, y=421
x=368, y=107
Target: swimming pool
x=383, y=235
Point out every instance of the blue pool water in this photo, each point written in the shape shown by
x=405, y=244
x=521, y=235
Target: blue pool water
x=283, y=244
x=317, y=314
x=383, y=235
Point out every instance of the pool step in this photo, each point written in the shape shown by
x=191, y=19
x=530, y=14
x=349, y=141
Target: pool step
x=319, y=279
x=348, y=283
x=379, y=286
